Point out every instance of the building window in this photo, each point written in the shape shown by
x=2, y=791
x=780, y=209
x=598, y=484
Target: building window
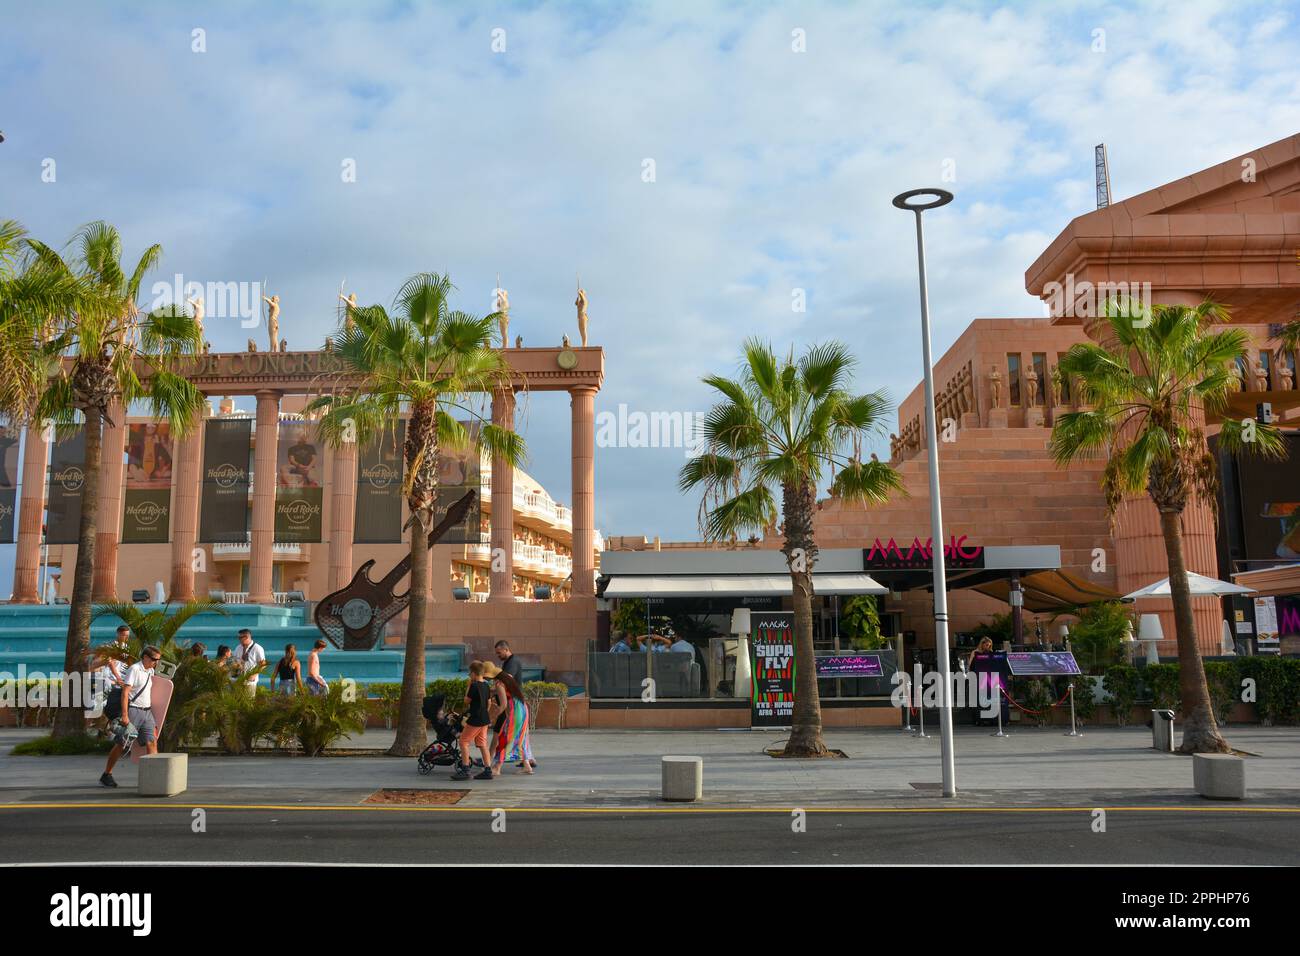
x=1040, y=369
x=1065, y=380
x=1013, y=378
x=1266, y=363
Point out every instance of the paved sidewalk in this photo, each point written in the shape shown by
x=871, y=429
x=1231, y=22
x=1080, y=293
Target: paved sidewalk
x=1033, y=767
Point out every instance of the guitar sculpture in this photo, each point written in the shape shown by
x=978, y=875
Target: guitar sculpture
x=353, y=618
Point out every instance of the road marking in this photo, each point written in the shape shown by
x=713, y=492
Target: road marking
x=373, y=808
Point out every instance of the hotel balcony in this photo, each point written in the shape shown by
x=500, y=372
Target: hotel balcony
x=242, y=551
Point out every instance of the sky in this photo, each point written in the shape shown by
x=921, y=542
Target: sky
x=699, y=166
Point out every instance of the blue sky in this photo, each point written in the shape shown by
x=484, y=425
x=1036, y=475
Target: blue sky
x=774, y=168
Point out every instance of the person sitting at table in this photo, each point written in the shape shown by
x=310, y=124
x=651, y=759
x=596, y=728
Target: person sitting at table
x=624, y=645
x=680, y=645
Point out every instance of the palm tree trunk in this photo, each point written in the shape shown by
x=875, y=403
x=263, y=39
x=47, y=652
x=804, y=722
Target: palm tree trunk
x=1200, y=730
x=411, y=739
x=71, y=720
x=801, y=554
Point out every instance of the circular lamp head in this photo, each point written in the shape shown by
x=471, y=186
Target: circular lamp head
x=939, y=197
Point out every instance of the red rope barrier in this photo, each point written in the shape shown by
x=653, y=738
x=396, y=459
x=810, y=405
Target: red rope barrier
x=1068, y=691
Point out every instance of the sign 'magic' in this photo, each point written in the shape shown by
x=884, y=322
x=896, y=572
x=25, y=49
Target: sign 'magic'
x=957, y=553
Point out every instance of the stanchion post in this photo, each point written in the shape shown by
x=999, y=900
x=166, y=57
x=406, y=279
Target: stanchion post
x=1000, y=732
x=1073, y=732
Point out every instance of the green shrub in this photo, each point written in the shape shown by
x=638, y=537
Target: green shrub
x=1122, y=685
x=389, y=697
x=317, y=721
x=1162, y=681
x=860, y=623
x=1034, y=694
x=1097, y=638
x=1085, y=706
x=535, y=691
x=452, y=688
x=1223, y=678
x=1277, y=687
x=629, y=616
x=62, y=747
x=235, y=717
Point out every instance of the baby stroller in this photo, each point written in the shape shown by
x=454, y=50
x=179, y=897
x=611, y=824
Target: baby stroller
x=445, y=749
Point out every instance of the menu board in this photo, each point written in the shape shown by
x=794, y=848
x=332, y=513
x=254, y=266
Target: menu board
x=1042, y=663
x=771, y=645
x=850, y=665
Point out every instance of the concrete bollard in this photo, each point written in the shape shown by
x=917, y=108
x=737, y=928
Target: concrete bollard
x=683, y=778
x=1219, y=776
x=163, y=775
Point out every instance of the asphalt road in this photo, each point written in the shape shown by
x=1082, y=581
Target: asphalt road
x=706, y=836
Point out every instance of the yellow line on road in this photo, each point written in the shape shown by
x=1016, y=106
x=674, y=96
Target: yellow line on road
x=584, y=810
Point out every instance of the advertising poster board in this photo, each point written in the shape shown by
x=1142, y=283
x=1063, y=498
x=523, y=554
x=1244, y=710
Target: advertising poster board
x=1042, y=663
x=299, y=489
x=771, y=643
x=146, y=517
x=379, y=489
x=8, y=484
x=224, y=511
x=67, y=478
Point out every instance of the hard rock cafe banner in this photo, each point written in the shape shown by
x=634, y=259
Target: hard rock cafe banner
x=771, y=669
x=379, y=489
x=223, y=511
x=459, y=472
x=67, y=481
x=147, y=512
x=299, y=494
x=8, y=483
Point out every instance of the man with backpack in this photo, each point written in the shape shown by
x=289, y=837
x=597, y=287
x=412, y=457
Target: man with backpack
x=134, y=716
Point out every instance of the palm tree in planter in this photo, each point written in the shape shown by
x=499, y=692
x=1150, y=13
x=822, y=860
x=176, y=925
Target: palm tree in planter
x=783, y=424
x=105, y=354
x=1150, y=385
x=427, y=362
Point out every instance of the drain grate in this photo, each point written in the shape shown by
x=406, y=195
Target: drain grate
x=926, y=786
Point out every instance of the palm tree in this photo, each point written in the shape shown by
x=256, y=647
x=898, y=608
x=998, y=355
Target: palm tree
x=784, y=423
x=32, y=289
x=105, y=353
x=1151, y=384
x=425, y=361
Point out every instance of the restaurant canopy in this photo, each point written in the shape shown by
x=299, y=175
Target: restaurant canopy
x=734, y=585
x=1199, y=585
x=743, y=572
x=1047, y=591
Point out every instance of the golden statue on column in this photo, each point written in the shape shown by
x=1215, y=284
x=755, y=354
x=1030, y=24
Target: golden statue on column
x=503, y=313
x=349, y=303
x=273, y=321
x=581, y=303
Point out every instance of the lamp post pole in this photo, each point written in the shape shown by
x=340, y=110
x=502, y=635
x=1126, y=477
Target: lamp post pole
x=913, y=202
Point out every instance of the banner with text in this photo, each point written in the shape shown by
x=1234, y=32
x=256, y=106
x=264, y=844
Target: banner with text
x=299, y=494
x=223, y=511
x=771, y=643
x=379, y=489
x=8, y=483
x=67, y=481
x=147, y=513
x=459, y=472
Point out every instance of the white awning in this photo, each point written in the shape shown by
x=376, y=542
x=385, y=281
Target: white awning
x=734, y=585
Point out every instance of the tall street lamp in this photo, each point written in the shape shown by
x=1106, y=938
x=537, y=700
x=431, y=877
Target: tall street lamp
x=917, y=201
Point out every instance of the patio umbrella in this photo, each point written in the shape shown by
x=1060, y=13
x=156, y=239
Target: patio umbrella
x=1199, y=584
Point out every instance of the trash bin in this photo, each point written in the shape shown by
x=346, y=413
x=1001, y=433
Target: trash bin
x=1162, y=730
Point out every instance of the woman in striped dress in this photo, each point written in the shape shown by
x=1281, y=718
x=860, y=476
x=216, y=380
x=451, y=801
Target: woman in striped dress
x=513, y=740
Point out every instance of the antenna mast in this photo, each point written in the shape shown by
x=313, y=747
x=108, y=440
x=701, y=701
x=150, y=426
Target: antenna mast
x=1103, y=177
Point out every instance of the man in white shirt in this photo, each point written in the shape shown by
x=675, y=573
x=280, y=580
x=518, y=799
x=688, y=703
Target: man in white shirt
x=137, y=701
x=249, y=656
x=681, y=646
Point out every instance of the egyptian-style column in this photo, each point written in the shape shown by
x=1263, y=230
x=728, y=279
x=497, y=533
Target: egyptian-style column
x=108, y=523
x=27, y=563
x=583, y=438
x=502, y=537
x=343, y=514
x=185, y=512
x=263, y=537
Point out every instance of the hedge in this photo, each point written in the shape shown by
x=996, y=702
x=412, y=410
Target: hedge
x=1271, y=683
